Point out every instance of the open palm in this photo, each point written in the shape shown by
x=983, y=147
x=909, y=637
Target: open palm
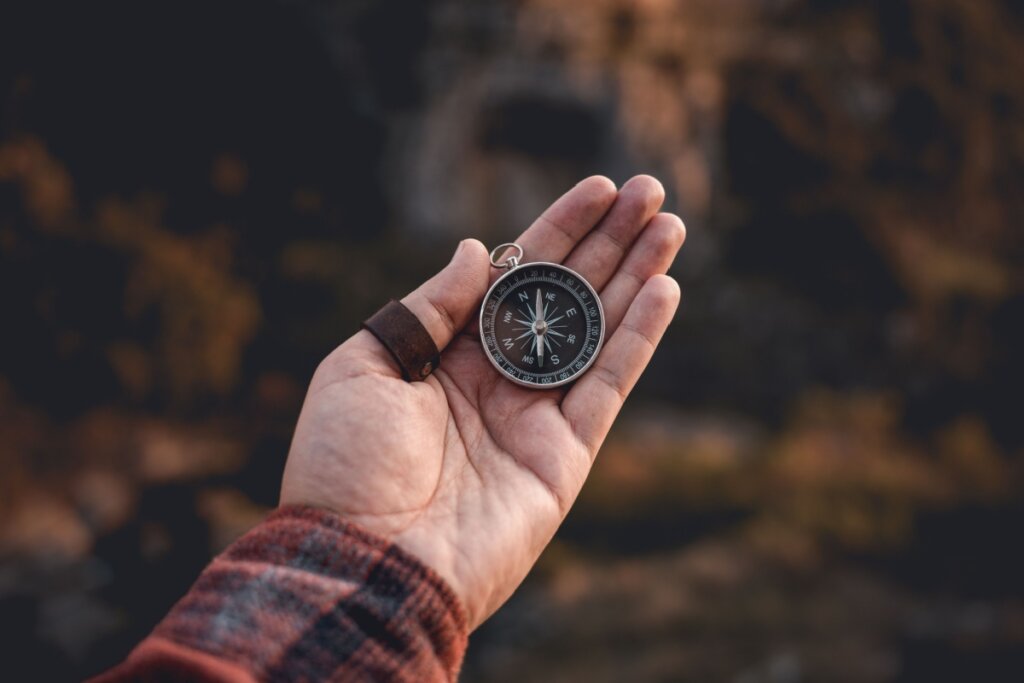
x=466, y=470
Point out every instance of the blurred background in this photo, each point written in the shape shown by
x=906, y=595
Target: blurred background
x=821, y=478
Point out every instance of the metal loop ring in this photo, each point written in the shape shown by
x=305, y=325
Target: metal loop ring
x=512, y=261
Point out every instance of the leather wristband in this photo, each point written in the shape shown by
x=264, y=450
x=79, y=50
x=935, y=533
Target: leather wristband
x=405, y=338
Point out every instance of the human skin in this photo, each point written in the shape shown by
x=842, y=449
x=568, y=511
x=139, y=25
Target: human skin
x=468, y=471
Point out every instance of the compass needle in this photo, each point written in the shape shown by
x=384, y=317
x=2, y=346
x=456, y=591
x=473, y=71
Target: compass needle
x=539, y=327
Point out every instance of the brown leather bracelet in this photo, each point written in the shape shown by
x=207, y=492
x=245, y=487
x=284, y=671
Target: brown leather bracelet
x=403, y=335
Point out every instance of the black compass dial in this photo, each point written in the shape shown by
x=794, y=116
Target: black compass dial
x=541, y=324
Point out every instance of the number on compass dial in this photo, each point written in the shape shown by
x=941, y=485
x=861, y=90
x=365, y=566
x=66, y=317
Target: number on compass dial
x=541, y=325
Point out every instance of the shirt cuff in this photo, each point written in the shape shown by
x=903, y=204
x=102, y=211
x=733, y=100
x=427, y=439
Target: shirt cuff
x=306, y=595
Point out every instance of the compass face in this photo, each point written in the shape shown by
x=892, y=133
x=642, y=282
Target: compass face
x=541, y=324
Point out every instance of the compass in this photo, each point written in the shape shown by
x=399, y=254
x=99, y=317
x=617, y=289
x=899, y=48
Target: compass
x=541, y=324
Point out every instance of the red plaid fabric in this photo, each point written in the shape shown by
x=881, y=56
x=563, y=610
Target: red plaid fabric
x=307, y=596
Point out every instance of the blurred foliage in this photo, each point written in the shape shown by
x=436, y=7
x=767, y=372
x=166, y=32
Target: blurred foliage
x=819, y=479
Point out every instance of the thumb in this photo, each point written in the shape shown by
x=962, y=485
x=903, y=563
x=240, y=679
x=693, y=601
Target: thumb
x=446, y=302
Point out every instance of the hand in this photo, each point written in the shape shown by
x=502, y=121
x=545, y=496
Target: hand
x=466, y=470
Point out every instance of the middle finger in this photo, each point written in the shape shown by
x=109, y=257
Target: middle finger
x=597, y=257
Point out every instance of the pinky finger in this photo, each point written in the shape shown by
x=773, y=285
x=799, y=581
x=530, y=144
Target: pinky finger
x=593, y=402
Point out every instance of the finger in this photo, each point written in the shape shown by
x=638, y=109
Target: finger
x=445, y=303
x=560, y=228
x=652, y=254
x=594, y=401
x=600, y=252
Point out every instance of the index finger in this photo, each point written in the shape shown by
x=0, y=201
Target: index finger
x=563, y=224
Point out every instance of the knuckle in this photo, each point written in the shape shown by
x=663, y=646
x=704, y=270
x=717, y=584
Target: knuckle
x=610, y=380
x=617, y=242
x=444, y=315
x=635, y=279
x=559, y=228
x=642, y=335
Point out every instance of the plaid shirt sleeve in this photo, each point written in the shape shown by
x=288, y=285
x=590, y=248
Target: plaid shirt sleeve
x=307, y=596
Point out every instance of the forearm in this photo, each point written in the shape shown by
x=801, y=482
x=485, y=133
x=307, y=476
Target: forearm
x=307, y=596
